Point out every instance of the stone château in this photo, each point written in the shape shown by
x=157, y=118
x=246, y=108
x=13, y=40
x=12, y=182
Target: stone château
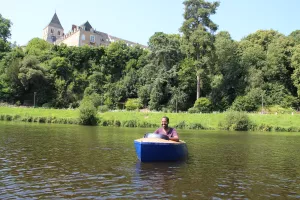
x=81, y=35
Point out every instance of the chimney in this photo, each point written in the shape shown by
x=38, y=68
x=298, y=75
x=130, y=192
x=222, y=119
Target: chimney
x=74, y=27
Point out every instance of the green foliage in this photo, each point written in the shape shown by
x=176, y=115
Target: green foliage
x=193, y=110
x=133, y=104
x=237, y=121
x=195, y=126
x=181, y=125
x=288, y=122
x=18, y=103
x=47, y=105
x=130, y=123
x=197, y=30
x=60, y=67
x=5, y=25
x=37, y=47
x=244, y=103
x=169, y=76
x=295, y=35
x=249, y=102
x=224, y=88
x=203, y=105
x=295, y=62
x=87, y=113
x=263, y=37
x=277, y=109
x=103, y=108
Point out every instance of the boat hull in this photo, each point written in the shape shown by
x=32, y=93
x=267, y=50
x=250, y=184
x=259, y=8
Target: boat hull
x=160, y=151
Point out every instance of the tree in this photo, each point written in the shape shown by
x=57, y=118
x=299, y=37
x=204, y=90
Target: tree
x=263, y=37
x=33, y=78
x=227, y=75
x=160, y=72
x=5, y=25
x=197, y=32
x=37, y=47
x=295, y=62
x=295, y=35
x=278, y=63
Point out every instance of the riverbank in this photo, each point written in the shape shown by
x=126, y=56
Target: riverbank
x=260, y=122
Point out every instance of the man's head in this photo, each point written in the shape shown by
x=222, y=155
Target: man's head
x=165, y=122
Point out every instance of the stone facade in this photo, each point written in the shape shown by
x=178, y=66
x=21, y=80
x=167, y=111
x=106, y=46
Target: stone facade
x=79, y=35
x=54, y=31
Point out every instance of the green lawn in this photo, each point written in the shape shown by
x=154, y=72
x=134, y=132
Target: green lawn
x=206, y=120
x=39, y=112
x=281, y=120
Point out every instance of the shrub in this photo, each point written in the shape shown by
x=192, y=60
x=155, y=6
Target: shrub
x=193, y=110
x=8, y=117
x=29, y=119
x=264, y=127
x=130, y=123
x=47, y=105
x=146, y=125
x=279, y=129
x=18, y=103
x=87, y=113
x=133, y=104
x=106, y=122
x=103, y=108
x=42, y=119
x=244, y=103
x=279, y=109
x=16, y=117
x=180, y=125
x=195, y=126
x=203, y=105
x=117, y=123
x=35, y=119
x=238, y=121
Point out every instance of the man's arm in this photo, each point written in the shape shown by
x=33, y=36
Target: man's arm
x=174, y=136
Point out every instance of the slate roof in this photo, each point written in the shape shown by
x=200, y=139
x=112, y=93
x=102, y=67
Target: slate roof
x=55, y=22
x=87, y=26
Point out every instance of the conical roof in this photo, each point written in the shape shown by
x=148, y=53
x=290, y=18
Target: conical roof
x=87, y=26
x=55, y=22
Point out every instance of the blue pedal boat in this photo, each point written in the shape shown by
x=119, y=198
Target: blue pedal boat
x=155, y=149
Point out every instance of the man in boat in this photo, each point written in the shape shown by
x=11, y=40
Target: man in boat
x=166, y=130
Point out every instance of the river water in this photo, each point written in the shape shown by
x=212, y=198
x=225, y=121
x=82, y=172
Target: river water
x=41, y=161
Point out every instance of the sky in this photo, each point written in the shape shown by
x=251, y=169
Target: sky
x=138, y=20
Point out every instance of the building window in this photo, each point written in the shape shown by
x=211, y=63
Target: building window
x=53, y=38
x=92, y=38
x=83, y=37
x=51, y=30
x=58, y=32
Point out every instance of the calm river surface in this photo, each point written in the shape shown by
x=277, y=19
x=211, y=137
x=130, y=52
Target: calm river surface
x=40, y=161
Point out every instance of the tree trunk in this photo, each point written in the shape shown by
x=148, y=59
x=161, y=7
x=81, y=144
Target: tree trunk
x=198, y=86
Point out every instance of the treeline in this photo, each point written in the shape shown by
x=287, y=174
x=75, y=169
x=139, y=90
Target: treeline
x=197, y=71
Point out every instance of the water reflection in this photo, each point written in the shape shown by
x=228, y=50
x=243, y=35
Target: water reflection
x=157, y=179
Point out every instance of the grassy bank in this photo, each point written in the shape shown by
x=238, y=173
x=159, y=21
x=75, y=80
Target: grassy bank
x=266, y=122
x=41, y=115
